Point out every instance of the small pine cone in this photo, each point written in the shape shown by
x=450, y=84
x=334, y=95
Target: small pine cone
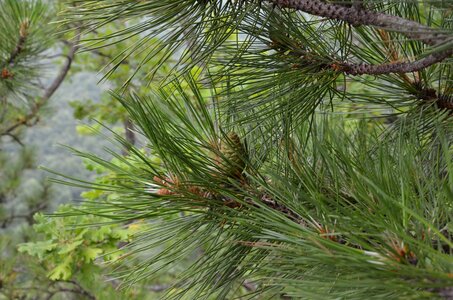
x=233, y=157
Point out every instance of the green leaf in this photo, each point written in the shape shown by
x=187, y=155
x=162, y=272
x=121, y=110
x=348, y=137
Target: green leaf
x=62, y=271
x=90, y=254
x=38, y=249
x=70, y=247
x=100, y=234
x=92, y=195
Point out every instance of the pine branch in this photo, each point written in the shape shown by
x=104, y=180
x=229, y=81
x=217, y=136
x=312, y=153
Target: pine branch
x=63, y=70
x=356, y=15
x=289, y=213
x=20, y=45
x=50, y=90
x=313, y=59
x=23, y=33
x=394, y=67
x=356, y=69
x=16, y=139
x=172, y=186
x=129, y=135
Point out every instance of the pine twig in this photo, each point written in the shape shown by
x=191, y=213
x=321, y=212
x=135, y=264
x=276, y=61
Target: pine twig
x=23, y=33
x=16, y=139
x=357, y=15
x=393, y=67
x=355, y=69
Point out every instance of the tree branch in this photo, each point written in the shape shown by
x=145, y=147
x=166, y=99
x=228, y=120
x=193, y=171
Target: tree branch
x=16, y=139
x=394, y=67
x=77, y=290
x=23, y=32
x=357, y=15
x=28, y=216
x=63, y=71
x=311, y=58
x=50, y=90
x=129, y=135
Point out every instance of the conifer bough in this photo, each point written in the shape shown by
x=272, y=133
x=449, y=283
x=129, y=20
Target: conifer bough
x=395, y=67
x=314, y=206
x=356, y=15
x=23, y=32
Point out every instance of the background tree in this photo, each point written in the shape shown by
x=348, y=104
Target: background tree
x=262, y=169
x=26, y=86
x=34, y=62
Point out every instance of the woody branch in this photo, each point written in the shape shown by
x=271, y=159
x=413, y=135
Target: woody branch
x=357, y=15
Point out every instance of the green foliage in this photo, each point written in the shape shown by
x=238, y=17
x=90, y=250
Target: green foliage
x=334, y=215
x=297, y=74
x=25, y=38
x=29, y=55
x=106, y=111
x=243, y=174
x=70, y=245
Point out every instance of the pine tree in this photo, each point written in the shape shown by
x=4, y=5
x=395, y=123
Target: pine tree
x=309, y=156
x=26, y=86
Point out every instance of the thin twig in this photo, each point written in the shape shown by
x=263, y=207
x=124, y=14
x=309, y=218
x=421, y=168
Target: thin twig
x=23, y=32
x=28, y=216
x=16, y=139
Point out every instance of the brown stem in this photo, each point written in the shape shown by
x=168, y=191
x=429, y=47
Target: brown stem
x=17, y=51
x=23, y=32
x=63, y=71
x=313, y=59
x=357, y=15
x=394, y=67
x=290, y=214
x=129, y=134
x=16, y=139
x=428, y=95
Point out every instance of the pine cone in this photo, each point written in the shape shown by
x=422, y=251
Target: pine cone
x=233, y=156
